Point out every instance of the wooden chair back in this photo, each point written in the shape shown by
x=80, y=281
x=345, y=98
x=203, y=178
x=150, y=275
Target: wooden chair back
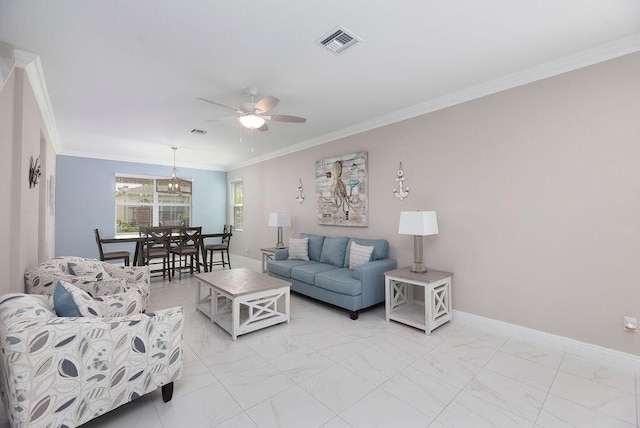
x=96, y=232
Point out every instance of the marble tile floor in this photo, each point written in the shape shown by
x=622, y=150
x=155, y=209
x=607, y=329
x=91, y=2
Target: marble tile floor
x=325, y=370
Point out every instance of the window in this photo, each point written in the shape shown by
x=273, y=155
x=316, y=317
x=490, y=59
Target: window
x=237, y=199
x=138, y=204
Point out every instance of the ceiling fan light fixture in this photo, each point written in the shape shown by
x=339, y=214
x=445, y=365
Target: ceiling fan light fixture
x=251, y=121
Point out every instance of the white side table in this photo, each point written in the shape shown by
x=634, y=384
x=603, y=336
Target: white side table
x=435, y=308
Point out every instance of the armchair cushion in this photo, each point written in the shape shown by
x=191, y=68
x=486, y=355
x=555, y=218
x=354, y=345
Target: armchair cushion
x=87, y=267
x=122, y=304
x=94, y=286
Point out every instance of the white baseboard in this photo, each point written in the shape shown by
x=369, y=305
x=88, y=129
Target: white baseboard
x=565, y=344
x=245, y=262
x=572, y=346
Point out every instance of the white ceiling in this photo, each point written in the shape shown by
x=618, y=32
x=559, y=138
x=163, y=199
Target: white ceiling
x=124, y=76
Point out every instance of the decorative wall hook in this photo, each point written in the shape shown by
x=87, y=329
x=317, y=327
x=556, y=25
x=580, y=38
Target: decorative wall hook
x=34, y=172
x=300, y=197
x=402, y=192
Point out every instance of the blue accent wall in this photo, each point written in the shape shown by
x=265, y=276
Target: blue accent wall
x=85, y=190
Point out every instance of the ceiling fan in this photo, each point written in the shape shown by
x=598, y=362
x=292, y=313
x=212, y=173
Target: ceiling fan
x=252, y=114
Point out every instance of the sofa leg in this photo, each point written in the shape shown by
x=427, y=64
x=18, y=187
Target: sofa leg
x=167, y=392
x=353, y=315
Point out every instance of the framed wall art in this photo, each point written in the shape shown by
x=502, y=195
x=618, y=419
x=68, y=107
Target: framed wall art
x=341, y=190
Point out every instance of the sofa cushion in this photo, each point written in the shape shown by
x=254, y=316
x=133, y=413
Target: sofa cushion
x=339, y=280
x=306, y=273
x=333, y=250
x=283, y=267
x=299, y=249
x=315, y=245
x=380, y=248
x=70, y=301
x=359, y=254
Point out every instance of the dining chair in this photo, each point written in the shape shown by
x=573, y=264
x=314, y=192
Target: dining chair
x=114, y=255
x=157, y=245
x=222, y=247
x=188, y=246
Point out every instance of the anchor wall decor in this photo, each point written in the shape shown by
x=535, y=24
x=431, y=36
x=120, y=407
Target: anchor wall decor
x=300, y=197
x=402, y=192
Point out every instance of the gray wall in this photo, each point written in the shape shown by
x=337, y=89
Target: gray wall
x=27, y=226
x=537, y=191
x=85, y=200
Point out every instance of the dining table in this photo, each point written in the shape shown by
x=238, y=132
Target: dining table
x=138, y=257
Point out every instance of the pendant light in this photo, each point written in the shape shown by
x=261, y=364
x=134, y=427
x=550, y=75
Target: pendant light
x=174, y=185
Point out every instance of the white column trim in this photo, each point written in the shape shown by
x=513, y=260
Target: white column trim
x=33, y=68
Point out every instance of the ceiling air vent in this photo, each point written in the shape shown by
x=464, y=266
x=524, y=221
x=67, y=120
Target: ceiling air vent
x=198, y=131
x=338, y=39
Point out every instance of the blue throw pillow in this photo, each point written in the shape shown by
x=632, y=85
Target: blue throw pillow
x=315, y=245
x=71, y=301
x=63, y=302
x=333, y=250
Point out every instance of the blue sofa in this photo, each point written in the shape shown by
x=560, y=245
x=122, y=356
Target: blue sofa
x=326, y=275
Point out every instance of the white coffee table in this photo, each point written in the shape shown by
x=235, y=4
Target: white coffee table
x=241, y=300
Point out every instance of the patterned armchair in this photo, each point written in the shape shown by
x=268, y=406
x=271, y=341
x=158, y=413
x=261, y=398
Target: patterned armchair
x=59, y=372
x=93, y=276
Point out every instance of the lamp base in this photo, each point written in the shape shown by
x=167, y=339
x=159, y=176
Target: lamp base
x=419, y=267
x=418, y=263
x=280, y=244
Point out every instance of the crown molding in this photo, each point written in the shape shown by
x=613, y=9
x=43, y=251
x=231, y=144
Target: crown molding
x=7, y=63
x=33, y=67
x=125, y=158
x=583, y=59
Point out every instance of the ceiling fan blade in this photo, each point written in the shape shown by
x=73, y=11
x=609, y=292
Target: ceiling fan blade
x=286, y=118
x=263, y=128
x=215, y=103
x=223, y=119
x=267, y=103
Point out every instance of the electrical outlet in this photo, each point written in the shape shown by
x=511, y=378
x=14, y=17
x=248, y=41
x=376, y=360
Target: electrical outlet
x=630, y=323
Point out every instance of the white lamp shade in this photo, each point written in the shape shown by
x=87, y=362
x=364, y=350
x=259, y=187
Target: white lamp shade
x=418, y=223
x=279, y=220
x=251, y=121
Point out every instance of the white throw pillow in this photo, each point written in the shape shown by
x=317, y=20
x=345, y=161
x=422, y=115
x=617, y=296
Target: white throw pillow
x=360, y=254
x=298, y=248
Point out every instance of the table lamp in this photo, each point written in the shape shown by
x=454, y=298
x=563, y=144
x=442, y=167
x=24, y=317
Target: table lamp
x=418, y=224
x=279, y=220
